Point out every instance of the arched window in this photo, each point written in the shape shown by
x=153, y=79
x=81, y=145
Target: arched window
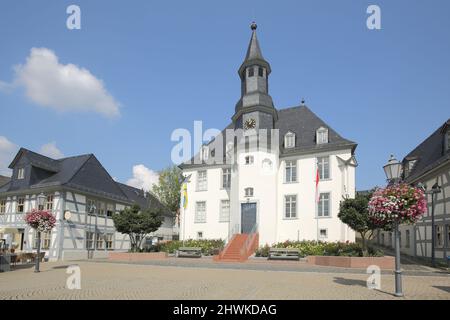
x=289, y=140
x=322, y=135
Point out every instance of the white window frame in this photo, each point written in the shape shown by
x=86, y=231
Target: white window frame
x=200, y=217
x=46, y=239
x=320, y=163
x=249, y=192
x=2, y=206
x=226, y=177
x=323, y=236
x=49, y=202
x=289, y=201
x=90, y=240
x=249, y=160
x=199, y=235
x=204, y=154
x=289, y=140
x=20, y=173
x=99, y=239
x=224, y=215
x=18, y=203
x=109, y=241
x=440, y=237
x=292, y=166
x=322, y=135
x=202, y=181
x=320, y=213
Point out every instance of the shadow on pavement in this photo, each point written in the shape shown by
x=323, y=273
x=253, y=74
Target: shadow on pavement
x=443, y=288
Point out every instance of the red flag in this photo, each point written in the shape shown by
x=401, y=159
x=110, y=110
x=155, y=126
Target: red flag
x=317, y=184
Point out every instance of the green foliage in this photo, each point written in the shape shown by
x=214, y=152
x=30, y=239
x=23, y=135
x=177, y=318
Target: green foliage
x=314, y=248
x=355, y=214
x=209, y=247
x=169, y=188
x=137, y=223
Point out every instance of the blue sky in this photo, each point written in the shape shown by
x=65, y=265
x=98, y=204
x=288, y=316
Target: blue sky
x=167, y=63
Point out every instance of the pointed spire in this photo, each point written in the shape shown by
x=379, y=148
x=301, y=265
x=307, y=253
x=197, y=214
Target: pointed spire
x=254, y=54
x=253, y=51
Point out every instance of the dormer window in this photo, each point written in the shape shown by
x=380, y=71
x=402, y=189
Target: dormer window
x=204, y=153
x=322, y=135
x=251, y=72
x=21, y=174
x=289, y=140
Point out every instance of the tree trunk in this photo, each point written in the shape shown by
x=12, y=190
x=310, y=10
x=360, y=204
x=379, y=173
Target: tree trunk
x=364, y=244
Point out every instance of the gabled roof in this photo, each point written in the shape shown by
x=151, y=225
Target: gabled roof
x=84, y=173
x=4, y=180
x=144, y=200
x=37, y=160
x=429, y=154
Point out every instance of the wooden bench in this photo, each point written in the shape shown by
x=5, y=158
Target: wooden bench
x=189, y=252
x=284, y=254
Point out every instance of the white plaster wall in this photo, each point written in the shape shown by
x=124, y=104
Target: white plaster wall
x=212, y=229
x=269, y=191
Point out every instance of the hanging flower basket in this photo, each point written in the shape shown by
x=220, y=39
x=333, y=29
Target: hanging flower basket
x=398, y=203
x=40, y=220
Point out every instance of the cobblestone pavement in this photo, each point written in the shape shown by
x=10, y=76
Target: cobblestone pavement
x=105, y=280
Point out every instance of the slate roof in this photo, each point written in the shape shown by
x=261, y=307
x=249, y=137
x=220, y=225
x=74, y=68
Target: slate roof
x=304, y=123
x=84, y=173
x=4, y=180
x=429, y=154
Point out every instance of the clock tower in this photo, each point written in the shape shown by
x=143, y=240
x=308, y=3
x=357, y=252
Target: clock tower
x=254, y=109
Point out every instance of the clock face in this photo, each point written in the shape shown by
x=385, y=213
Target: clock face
x=250, y=124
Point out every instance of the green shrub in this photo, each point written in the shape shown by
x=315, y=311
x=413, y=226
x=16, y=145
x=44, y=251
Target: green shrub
x=319, y=248
x=209, y=247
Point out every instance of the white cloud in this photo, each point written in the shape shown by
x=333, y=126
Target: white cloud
x=62, y=87
x=7, y=152
x=51, y=150
x=143, y=177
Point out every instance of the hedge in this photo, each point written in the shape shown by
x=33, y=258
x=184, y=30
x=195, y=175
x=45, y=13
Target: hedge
x=209, y=247
x=314, y=248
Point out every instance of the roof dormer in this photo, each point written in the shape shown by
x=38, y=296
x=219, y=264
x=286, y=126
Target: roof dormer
x=289, y=140
x=322, y=135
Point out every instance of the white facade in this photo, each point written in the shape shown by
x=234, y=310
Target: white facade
x=269, y=191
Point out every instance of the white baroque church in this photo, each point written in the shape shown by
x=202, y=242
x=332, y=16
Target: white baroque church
x=270, y=188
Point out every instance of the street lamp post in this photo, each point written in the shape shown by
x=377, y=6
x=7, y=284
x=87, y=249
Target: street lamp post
x=40, y=205
x=393, y=175
x=435, y=189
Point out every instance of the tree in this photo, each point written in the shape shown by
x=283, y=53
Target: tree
x=355, y=214
x=137, y=223
x=168, y=189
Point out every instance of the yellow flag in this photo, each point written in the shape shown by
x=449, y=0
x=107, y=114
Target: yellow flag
x=185, y=196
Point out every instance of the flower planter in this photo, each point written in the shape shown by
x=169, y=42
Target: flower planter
x=136, y=256
x=352, y=262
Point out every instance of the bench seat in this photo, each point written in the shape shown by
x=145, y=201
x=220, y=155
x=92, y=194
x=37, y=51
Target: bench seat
x=284, y=254
x=189, y=252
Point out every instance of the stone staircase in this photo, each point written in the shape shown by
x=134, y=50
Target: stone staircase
x=239, y=248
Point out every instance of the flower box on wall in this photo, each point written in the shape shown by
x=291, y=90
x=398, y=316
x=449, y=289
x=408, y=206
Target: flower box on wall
x=352, y=262
x=136, y=256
